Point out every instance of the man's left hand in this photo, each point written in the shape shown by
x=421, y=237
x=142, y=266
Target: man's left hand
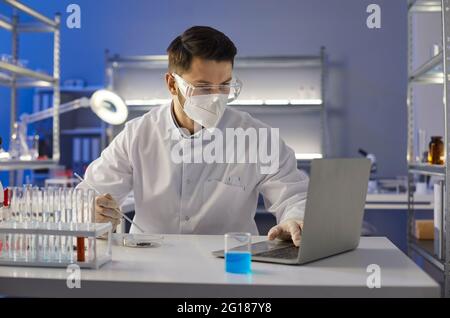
x=286, y=230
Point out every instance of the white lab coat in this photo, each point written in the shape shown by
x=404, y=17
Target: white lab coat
x=193, y=198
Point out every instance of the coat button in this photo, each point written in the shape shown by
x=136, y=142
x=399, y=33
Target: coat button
x=186, y=218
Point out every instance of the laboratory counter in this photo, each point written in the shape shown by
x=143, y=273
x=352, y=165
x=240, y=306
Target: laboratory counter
x=183, y=266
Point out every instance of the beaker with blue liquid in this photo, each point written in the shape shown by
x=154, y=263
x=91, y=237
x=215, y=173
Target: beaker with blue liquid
x=238, y=257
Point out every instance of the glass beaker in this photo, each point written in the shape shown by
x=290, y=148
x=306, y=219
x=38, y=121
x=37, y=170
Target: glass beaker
x=238, y=256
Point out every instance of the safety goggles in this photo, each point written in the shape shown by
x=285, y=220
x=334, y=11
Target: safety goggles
x=187, y=89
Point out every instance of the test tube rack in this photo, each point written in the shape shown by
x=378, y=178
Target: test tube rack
x=45, y=244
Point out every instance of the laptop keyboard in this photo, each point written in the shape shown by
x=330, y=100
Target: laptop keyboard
x=284, y=253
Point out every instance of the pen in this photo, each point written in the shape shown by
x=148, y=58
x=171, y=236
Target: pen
x=118, y=211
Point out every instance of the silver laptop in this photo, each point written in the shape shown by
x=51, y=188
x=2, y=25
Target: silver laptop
x=333, y=214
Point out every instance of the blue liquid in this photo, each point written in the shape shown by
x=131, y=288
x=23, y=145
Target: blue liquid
x=238, y=262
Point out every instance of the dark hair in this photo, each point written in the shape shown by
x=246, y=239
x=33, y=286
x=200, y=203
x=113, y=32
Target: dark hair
x=199, y=41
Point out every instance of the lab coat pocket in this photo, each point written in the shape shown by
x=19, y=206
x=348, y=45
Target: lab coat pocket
x=221, y=199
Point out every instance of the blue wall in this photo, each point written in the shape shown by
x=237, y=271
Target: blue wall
x=367, y=84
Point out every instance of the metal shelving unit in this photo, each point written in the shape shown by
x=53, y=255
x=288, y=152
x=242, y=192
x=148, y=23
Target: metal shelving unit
x=15, y=77
x=116, y=64
x=426, y=169
x=425, y=248
x=431, y=72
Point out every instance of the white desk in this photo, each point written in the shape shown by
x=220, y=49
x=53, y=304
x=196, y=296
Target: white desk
x=184, y=267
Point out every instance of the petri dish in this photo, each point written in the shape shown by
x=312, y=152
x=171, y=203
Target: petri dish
x=142, y=240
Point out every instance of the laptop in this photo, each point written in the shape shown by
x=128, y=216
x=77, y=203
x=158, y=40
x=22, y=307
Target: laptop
x=333, y=214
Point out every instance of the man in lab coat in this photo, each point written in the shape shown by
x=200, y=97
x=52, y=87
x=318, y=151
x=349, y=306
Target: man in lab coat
x=174, y=195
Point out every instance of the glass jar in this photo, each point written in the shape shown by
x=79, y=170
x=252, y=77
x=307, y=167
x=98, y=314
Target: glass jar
x=436, y=151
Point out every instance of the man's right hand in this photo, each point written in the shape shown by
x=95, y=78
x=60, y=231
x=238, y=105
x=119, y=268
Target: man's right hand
x=106, y=210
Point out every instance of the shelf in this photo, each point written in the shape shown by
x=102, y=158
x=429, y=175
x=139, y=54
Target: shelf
x=35, y=27
x=239, y=102
x=429, y=78
x=277, y=102
x=278, y=61
x=276, y=109
x=10, y=165
x=425, y=248
x=256, y=109
x=24, y=72
x=427, y=169
x=6, y=80
x=40, y=17
x=5, y=23
x=160, y=61
x=430, y=72
x=307, y=93
x=425, y=6
x=82, y=131
x=73, y=89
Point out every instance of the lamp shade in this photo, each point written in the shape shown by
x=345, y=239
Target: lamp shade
x=109, y=106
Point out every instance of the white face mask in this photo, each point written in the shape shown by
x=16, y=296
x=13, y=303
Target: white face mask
x=206, y=110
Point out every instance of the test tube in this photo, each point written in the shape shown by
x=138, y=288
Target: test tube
x=51, y=193
x=14, y=239
x=34, y=207
x=69, y=240
x=20, y=204
x=43, y=249
x=9, y=215
x=75, y=207
x=19, y=199
x=72, y=222
x=28, y=203
x=11, y=239
x=4, y=246
x=25, y=213
x=17, y=238
x=5, y=217
x=24, y=219
x=81, y=208
x=13, y=202
x=36, y=201
x=57, y=240
x=23, y=238
x=90, y=211
x=71, y=205
x=90, y=219
x=64, y=223
x=79, y=212
x=51, y=224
